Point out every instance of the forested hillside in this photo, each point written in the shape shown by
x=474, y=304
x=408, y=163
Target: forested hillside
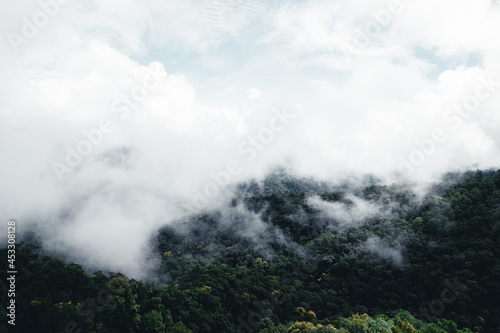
x=292, y=256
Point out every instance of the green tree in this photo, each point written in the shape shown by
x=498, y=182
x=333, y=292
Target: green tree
x=152, y=322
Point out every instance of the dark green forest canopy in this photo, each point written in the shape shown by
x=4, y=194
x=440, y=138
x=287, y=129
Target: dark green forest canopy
x=420, y=264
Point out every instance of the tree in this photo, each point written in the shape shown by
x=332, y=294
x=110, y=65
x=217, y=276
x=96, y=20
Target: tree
x=152, y=322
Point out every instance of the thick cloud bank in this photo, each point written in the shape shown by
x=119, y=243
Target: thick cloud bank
x=117, y=118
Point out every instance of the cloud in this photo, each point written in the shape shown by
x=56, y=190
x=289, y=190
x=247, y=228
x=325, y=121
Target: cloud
x=230, y=226
x=376, y=246
x=352, y=212
x=355, y=113
x=254, y=93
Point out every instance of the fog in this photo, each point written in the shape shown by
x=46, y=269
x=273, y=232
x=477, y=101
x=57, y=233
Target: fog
x=343, y=215
x=376, y=246
x=118, y=118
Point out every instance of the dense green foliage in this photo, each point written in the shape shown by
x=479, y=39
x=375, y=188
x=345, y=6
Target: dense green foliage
x=307, y=275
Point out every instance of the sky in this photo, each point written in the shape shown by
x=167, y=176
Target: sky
x=118, y=117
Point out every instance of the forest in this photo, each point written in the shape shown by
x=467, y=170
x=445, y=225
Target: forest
x=292, y=255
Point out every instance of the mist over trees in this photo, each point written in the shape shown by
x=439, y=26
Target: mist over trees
x=294, y=255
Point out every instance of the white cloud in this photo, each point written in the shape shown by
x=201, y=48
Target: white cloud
x=254, y=93
x=348, y=215
x=379, y=248
x=354, y=115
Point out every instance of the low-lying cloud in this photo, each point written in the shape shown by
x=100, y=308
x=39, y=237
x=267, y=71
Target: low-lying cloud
x=352, y=212
x=226, y=67
x=377, y=247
